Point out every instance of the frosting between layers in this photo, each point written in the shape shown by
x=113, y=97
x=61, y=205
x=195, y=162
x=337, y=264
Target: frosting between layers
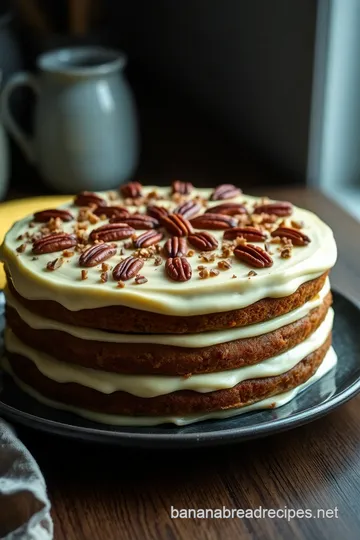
x=204, y=339
x=160, y=294
x=272, y=402
x=147, y=386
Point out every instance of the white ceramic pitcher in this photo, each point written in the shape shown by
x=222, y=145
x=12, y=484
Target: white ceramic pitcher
x=85, y=130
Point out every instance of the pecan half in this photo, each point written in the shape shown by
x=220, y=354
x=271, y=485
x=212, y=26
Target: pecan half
x=112, y=232
x=53, y=242
x=225, y=191
x=88, y=198
x=127, y=268
x=281, y=208
x=251, y=234
x=132, y=190
x=178, y=269
x=148, y=238
x=188, y=209
x=213, y=221
x=96, y=255
x=177, y=225
x=253, y=255
x=157, y=212
x=45, y=215
x=184, y=188
x=137, y=221
x=229, y=209
x=111, y=211
x=297, y=237
x=203, y=241
x=176, y=247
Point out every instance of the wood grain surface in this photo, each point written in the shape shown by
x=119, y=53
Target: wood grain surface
x=109, y=493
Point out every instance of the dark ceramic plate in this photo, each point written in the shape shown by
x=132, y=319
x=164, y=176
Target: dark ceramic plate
x=337, y=387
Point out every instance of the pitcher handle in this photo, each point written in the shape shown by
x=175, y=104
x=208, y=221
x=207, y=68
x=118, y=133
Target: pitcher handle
x=22, y=78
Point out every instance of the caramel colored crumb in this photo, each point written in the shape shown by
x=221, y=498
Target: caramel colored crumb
x=120, y=284
x=68, y=253
x=233, y=276
x=84, y=274
x=252, y=273
x=190, y=253
x=105, y=267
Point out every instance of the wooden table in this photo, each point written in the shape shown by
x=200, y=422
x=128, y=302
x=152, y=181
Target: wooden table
x=105, y=493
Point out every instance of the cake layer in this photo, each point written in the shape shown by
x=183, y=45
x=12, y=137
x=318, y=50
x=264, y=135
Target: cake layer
x=36, y=276
x=198, y=340
x=147, y=386
x=273, y=402
x=122, y=319
x=147, y=358
x=175, y=403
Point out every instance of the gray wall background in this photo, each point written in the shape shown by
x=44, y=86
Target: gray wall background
x=248, y=64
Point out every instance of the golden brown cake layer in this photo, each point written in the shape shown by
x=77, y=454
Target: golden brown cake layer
x=129, y=320
x=138, y=358
x=182, y=402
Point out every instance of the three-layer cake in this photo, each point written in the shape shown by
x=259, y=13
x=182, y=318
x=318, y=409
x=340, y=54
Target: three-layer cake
x=153, y=305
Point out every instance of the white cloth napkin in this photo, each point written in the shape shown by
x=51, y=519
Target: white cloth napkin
x=24, y=503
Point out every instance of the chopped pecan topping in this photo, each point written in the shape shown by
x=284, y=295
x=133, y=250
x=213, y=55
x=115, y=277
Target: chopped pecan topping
x=225, y=191
x=84, y=274
x=184, y=188
x=229, y=209
x=103, y=277
x=111, y=211
x=121, y=284
x=131, y=190
x=214, y=272
x=188, y=209
x=147, y=239
x=224, y=265
x=112, y=232
x=297, y=224
x=178, y=269
x=203, y=241
x=53, y=213
x=286, y=252
x=213, y=222
x=53, y=242
x=21, y=248
x=54, y=265
x=96, y=255
x=177, y=225
x=176, y=247
x=127, y=269
x=137, y=221
x=252, y=273
x=298, y=238
x=88, y=198
x=281, y=208
x=139, y=280
x=157, y=212
x=251, y=234
x=253, y=255
x=158, y=260
x=204, y=273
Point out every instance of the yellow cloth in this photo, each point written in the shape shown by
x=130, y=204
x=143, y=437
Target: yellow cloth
x=12, y=211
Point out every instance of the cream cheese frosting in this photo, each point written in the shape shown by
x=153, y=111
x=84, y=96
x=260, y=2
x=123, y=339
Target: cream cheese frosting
x=272, y=402
x=205, y=339
x=159, y=294
x=147, y=386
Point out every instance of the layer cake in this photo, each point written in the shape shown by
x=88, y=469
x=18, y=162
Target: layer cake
x=152, y=305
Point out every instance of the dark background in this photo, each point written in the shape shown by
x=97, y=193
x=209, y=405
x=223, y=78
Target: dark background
x=223, y=87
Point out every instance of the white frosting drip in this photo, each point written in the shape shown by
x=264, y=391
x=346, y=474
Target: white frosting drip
x=204, y=339
x=273, y=402
x=147, y=386
x=160, y=294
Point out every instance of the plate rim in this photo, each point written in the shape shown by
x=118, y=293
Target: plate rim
x=179, y=439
